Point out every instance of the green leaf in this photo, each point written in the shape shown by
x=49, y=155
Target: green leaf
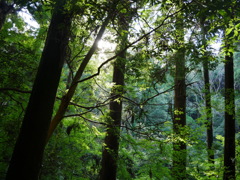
x=235, y=33
x=229, y=30
x=123, y=10
x=237, y=26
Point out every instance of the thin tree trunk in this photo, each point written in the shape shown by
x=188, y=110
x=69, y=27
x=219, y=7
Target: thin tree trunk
x=67, y=98
x=28, y=152
x=229, y=143
x=207, y=94
x=179, y=120
x=208, y=109
x=111, y=142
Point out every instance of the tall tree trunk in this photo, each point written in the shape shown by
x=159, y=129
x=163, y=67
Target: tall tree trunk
x=111, y=142
x=208, y=109
x=207, y=94
x=179, y=120
x=229, y=143
x=28, y=152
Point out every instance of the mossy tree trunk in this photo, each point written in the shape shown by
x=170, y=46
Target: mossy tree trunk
x=111, y=141
x=179, y=120
x=229, y=143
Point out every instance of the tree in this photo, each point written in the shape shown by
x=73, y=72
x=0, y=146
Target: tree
x=28, y=151
x=179, y=119
x=207, y=94
x=229, y=129
x=65, y=101
x=5, y=9
x=229, y=94
x=11, y=7
x=111, y=141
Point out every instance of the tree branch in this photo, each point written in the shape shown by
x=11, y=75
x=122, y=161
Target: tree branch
x=130, y=45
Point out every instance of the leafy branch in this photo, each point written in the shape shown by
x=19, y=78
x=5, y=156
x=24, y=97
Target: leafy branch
x=130, y=45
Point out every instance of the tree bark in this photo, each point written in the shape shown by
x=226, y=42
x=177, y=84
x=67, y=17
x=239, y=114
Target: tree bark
x=207, y=94
x=111, y=142
x=229, y=143
x=208, y=109
x=28, y=152
x=179, y=120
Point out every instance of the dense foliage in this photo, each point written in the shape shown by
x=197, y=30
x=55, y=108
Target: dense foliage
x=81, y=111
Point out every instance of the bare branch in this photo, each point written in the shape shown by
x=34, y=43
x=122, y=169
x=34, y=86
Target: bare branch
x=73, y=115
x=95, y=122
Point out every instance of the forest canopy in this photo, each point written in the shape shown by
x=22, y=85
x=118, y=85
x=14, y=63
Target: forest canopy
x=119, y=89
